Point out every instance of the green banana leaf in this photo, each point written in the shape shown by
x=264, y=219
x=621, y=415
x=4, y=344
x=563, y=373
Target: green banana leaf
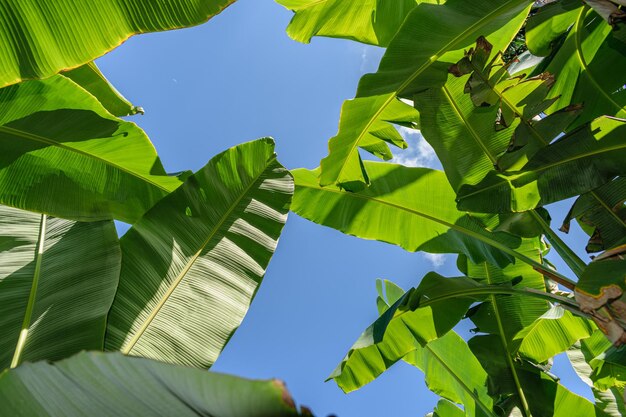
x=515, y=103
x=430, y=39
x=585, y=68
x=111, y=385
x=363, y=121
x=193, y=263
x=530, y=385
x=421, y=316
x=91, y=79
x=39, y=38
x=400, y=202
x=506, y=315
x=369, y=21
x=602, y=212
x=63, y=154
x=586, y=158
x=57, y=282
x=388, y=294
x=611, y=401
x=552, y=333
x=551, y=21
x=446, y=408
x=453, y=372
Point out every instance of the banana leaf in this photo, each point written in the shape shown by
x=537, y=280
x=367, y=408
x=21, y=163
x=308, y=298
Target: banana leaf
x=57, y=282
x=91, y=79
x=193, y=263
x=610, y=400
x=369, y=21
x=602, y=212
x=111, y=385
x=63, y=154
x=39, y=38
x=453, y=372
x=431, y=38
x=587, y=158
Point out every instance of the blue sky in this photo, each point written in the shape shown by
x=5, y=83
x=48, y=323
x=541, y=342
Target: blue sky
x=237, y=78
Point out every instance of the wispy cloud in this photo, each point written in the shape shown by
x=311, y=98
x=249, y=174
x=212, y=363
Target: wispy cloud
x=418, y=154
x=436, y=259
x=370, y=56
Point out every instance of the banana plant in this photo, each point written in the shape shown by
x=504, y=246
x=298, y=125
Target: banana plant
x=510, y=141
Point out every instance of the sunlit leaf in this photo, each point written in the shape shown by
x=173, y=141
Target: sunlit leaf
x=193, y=263
x=42, y=37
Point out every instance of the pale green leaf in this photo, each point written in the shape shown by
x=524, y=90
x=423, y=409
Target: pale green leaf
x=63, y=154
x=409, y=207
x=193, y=263
x=611, y=401
x=453, y=372
x=552, y=333
x=368, y=21
x=91, y=79
x=424, y=314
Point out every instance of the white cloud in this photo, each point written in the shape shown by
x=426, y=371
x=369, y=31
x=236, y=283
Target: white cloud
x=418, y=154
x=370, y=56
x=436, y=259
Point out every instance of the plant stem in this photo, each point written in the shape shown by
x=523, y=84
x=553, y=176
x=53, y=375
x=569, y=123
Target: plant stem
x=572, y=260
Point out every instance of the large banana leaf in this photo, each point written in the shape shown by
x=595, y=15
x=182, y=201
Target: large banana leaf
x=63, y=154
x=193, y=263
x=409, y=207
x=57, y=282
x=453, y=372
x=42, y=37
x=552, y=333
x=430, y=39
x=544, y=397
x=602, y=212
x=421, y=316
x=91, y=79
x=611, y=401
x=506, y=315
x=369, y=21
x=111, y=385
x=585, y=159
x=404, y=326
x=446, y=408
x=550, y=22
x=586, y=68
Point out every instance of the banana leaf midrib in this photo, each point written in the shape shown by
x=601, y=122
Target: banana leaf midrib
x=505, y=345
x=41, y=139
x=32, y=296
x=508, y=103
x=468, y=232
x=619, y=220
x=469, y=127
x=461, y=383
x=422, y=68
x=133, y=341
x=581, y=58
x=543, y=168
